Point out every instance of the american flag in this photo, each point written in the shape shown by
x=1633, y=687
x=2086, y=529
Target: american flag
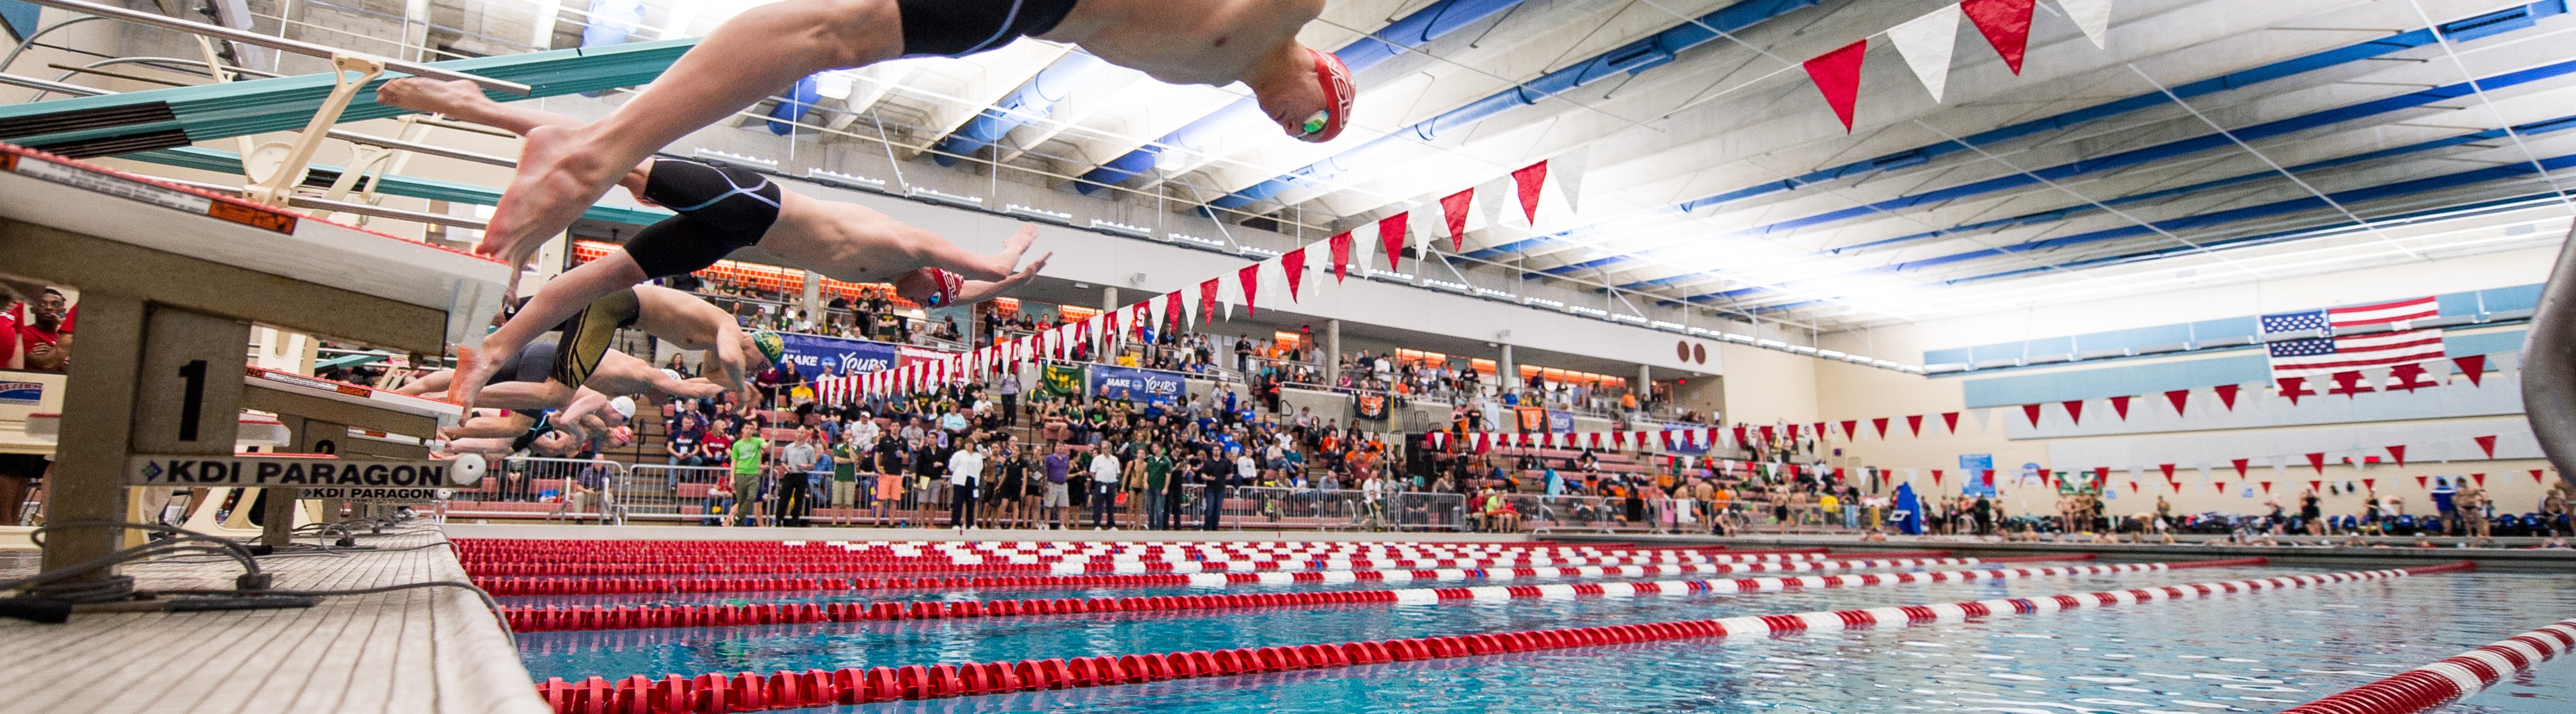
x=2331, y=354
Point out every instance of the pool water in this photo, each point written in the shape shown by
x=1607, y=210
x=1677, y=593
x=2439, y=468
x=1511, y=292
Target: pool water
x=2244, y=652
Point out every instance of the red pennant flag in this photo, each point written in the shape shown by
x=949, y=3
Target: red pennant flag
x=2120, y=405
x=2292, y=387
x=2178, y=397
x=1250, y=276
x=1390, y=235
x=1936, y=477
x=2043, y=477
x=1453, y=208
x=2133, y=487
x=1881, y=423
x=2487, y=444
x=1851, y=429
x=2480, y=478
x=2316, y=485
x=1915, y=422
x=2409, y=377
x=2348, y=384
x=1207, y=302
x=2318, y=461
x=1819, y=430
x=1293, y=263
x=2535, y=476
x=1172, y=312
x=1837, y=74
x=2101, y=475
x=2226, y=395
x=1740, y=438
x=2168, y=469
x=1340, y=244
x=2031, y=412
x=1769, y=436
x=1528, y=179
x=2399, y=454
x=2423, y=481
x=2474, y=367
x=1951, y=418
x=2240, y=466
x=2267, y=488
x=2006, y=25
x=2074, y=409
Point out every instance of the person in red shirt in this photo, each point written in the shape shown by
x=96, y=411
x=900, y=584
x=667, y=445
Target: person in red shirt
x=38, y=330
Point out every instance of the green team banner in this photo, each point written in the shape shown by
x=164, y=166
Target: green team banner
x=1061, y=381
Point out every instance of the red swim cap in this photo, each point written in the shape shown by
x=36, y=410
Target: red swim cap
x=1338, y=93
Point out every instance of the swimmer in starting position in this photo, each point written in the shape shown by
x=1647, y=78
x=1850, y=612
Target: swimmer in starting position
x=721, y=209
x=566, y=166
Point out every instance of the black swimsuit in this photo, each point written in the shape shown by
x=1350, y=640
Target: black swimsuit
x=721, y=208
x=956, y=28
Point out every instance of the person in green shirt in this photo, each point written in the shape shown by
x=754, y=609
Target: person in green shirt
x=845, y=474
x=749, y=453
x=1158, y=472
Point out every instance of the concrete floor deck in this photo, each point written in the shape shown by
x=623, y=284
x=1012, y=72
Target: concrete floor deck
x=428, y=651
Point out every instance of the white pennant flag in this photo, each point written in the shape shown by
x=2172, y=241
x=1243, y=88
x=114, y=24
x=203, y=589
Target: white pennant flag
x=1566, y=170
x=2091, y=16
x=1926, y=42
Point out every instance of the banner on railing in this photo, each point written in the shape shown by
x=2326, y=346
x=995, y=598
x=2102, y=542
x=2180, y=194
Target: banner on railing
x=845, y=356
x=1368, y=406
x=1138, y=385
x=1061, y=381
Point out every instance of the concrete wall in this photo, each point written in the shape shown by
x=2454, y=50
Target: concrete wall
x=1848, y=392
x=1765, y=386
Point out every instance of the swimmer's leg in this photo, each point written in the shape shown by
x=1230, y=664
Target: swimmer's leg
x=526, y=395
x=748, y=58
x=564, y=296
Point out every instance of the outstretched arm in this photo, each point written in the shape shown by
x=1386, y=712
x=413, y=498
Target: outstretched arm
x=978, y=290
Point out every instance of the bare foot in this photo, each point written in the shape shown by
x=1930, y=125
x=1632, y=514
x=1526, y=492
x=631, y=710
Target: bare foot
x=471, y=373
x=458, y=99
x=557, y=180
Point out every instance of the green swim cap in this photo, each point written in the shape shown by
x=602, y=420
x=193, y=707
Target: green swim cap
x=770, y=345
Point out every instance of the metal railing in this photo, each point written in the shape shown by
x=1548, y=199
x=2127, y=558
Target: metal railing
x=569, y=490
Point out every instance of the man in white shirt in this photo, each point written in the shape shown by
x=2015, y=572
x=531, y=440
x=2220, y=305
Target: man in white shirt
x=795, y=487
x=1104, y=487
x=965, y=473
x=864, y=432
x=1246, y=468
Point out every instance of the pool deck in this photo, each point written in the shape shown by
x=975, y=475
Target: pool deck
x=2398, y=552
x=434, y=650
x=572, y=532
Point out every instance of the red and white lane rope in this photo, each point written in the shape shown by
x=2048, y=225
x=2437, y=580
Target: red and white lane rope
x=2431, y=686
x=527, y=565
x=637, y=585
x=551, y=618
x=747, y=691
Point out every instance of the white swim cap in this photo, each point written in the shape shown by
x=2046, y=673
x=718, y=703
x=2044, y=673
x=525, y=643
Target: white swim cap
x=673, y=373
x=625, y=406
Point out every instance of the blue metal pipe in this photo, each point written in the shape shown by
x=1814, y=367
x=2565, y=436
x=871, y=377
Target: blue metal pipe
x=2276, y=208
x=1425, y=25
x=2538, y=127
x=1654, y=51
x=2500, y=21
x=1023, y=106
x=2168, y=150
